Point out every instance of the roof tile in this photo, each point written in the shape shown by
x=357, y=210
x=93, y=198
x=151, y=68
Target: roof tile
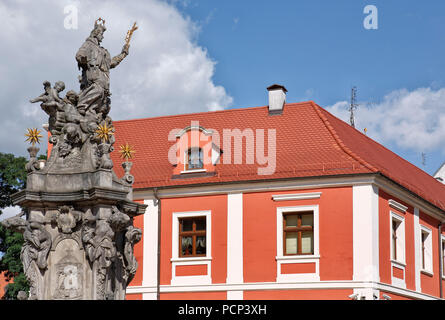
x=309, y=142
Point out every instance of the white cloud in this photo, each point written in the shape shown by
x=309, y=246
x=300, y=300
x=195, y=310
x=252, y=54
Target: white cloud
x=167, y=72
x=9, y=212
x=409, y=119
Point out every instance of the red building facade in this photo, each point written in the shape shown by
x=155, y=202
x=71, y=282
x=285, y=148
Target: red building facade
x=290, y=204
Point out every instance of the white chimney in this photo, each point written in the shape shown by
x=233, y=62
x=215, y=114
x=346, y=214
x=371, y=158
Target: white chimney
x=277, y=98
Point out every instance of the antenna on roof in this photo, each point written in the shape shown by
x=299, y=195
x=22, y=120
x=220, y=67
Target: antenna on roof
x=423, y=160
x=353, y=106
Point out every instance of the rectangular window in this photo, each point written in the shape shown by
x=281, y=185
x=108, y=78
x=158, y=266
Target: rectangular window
x=192, y=237
x=426, y=249
x=298, y=233
x=394, y=239
x=397, y=238
x=443, y=256
x=195, y=159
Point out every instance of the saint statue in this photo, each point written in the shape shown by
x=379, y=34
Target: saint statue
x=96, y=62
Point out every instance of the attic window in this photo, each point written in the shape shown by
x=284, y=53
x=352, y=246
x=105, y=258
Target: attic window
x=195, y=159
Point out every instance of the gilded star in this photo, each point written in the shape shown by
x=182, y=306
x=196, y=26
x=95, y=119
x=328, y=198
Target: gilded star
x=126, y=151
x=104, y=132
x=33, y=136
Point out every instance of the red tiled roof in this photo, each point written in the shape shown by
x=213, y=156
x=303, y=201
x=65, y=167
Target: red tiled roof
x=309, y=142
x=390, y=164
x=3, y=284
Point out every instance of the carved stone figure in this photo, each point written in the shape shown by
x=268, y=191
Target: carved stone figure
x=132, y=235
x=52, y=104
x=78, y=232
x=34, y=253
x=96, y=62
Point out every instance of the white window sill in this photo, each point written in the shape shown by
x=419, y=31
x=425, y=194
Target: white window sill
x=398, y=263
x=297, y=257
x=427, y=272
x=191, y=259
x=194, y=171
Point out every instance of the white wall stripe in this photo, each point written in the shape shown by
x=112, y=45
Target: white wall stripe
x=365, y=207
x=235, y=295
x=235, y=238
x=417, y=250
x=150, y=251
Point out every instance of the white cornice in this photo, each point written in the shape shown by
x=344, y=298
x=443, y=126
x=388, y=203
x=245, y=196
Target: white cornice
x=409, y=198
x=346, y=284
x=297, y=184
x=397, y=205
x=296, y=196
x=259, y=186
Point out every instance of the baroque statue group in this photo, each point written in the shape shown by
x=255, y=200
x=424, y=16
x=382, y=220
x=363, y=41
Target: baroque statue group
x=77, y=216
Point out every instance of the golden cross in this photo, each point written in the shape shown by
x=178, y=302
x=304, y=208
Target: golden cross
x=130, y=33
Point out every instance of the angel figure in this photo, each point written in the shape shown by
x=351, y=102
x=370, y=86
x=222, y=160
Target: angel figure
x=53, y=105
x=51, y=95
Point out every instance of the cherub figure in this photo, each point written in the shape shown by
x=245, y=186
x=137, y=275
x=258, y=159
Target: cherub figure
x=53, y=105
x=50, y=97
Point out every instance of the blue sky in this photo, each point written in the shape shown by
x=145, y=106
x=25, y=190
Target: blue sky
x=319, y=49
x=321, y=46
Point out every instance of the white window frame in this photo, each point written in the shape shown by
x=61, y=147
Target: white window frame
x=176, y=260
x=428, y=246
x=291, y=259
x=401, y=243
x=399, y=261
x=186, y=162
x=442, y=242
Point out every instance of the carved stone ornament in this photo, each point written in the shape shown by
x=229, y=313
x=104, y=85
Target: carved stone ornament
x=69, y=281
x=67, y=219
x=77, y=218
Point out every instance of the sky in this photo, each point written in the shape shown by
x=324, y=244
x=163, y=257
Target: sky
x=200, y=55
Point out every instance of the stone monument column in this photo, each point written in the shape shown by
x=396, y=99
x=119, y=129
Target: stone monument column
x=77, y=215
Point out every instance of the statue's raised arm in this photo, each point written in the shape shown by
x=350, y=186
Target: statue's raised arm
x=117, y=59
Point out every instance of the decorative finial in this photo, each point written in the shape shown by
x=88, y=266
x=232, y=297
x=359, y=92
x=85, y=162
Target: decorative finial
x=126, y=151
x=130, y=33
x=104, y=132
x=33, y=136
x=99, y=20
x=365, y=130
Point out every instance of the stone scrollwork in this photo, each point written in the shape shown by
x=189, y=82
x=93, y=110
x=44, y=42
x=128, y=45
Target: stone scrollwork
x=128, y=177
x=33, y=163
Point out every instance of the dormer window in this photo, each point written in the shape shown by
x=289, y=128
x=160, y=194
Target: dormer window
x=196, y=151
x=195, y=159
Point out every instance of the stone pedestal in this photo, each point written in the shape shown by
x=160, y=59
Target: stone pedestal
x=79, y=235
